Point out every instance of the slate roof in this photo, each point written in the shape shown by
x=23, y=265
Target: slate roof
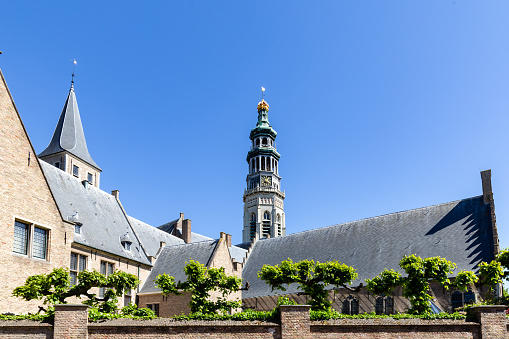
x=69, y=135
x=151, y=237
x=172, y=261
x=237, y=253
x=104, y=222
x=459, y=231
x=195, y=237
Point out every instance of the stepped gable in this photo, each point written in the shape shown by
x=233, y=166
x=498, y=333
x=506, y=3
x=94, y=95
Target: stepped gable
x=103, y=221
x=173, y=259
x=151, y=237
x=461, y=231
x=69, y=135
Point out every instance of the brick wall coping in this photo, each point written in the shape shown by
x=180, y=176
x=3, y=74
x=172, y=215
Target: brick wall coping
x=166, y=322
x=23, y=323
x=392, y=322
x=296, y=307
x=77, y=307
x=489, y=307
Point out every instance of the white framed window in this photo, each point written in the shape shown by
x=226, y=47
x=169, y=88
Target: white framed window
x=107, y=268
x=75, y=171
x=127, y=296
x=78, y=264
x=30, y=240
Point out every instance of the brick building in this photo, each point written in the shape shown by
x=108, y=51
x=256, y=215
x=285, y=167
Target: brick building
x=54, y=214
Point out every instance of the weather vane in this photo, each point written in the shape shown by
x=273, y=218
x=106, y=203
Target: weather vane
x=74, y=62
x=263, y=92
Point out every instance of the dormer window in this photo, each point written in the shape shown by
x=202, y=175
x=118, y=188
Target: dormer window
x=77, y=228
x=75, y=171
x=126, y=242
x=57, y=164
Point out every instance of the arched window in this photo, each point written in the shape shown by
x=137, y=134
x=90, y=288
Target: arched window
x=278, y=218
x=268, y=164
x=257, y=142
x=264, y=141
x=263, y=163
x=350, y=306
x=252, y=165
x=266, y=215
x=253, y=217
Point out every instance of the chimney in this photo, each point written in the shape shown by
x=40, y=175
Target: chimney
x=229, y=240
x=152, y=259
x=162, y=244
x=487, y=192
x=115, y=193
x=186, y=230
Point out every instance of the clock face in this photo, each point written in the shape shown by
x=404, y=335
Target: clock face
x=266, y=180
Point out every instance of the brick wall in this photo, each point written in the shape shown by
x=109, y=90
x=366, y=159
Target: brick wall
x=24, y=196
x=71, y=322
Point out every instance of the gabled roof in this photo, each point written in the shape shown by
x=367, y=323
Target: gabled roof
x=460, y=231
x=151, y=237
x=172, y=260
x=103, y=220
x=69, y=135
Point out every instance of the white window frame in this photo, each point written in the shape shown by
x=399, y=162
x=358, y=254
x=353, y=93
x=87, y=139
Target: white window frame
x=30, y=239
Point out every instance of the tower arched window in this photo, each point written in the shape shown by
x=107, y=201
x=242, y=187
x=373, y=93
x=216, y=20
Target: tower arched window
x=263, y=163
x=252, y=165
x=266, y=215
x=264, y=142
x=278, y=218
x=268, y=164
x=257, y=142
x=253, y=217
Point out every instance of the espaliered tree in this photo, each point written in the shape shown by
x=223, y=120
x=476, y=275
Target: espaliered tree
x=201, y=281
x=55, y=287
x=312, y=277
x=421, y=271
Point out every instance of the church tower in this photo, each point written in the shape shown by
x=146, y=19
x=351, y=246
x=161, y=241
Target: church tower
x=264, y=214
x=67, y=149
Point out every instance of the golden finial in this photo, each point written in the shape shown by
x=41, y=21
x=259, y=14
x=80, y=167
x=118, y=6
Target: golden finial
x=263, y=105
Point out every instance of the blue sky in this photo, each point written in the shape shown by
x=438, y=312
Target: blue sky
x=380, y=106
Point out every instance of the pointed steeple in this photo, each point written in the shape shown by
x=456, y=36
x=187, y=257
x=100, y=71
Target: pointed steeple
x=69, y=136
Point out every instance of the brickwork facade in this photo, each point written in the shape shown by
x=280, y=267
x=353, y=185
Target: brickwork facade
x=71, y=322
x=94, y=259
x=25, y=197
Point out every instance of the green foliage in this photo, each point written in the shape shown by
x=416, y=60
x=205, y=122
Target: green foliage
x=416, y=284
x=503, y=259
x=332, y=314
x=312, y=278
x=139, y=313
x=385, y=282
x=201, y=281
x=55, y=287
x=284, y=300
x=465, y=279
x=272, y=315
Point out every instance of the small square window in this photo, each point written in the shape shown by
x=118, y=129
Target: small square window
x=90, y=178
x=75, y=170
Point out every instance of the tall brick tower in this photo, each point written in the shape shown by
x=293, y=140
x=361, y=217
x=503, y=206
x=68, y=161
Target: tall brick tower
x=67, y=149
x=264, y=214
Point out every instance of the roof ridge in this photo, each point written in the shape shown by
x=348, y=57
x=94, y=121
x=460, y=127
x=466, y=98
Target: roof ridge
x=375, y=217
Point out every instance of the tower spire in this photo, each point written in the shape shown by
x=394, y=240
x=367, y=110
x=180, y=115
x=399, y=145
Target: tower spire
x=74, y=63
x=264, y=215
